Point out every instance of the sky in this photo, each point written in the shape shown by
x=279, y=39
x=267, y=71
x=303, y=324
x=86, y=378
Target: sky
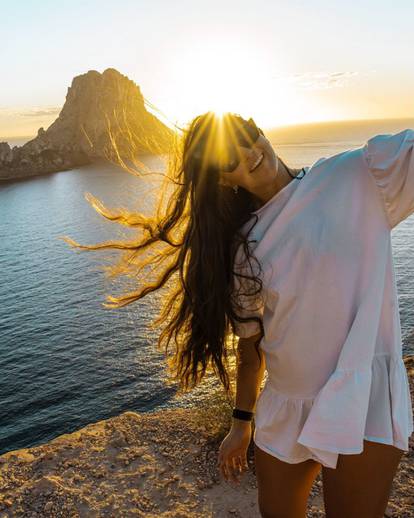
x=280, y=62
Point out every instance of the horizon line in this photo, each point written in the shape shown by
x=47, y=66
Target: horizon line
x=267, y=128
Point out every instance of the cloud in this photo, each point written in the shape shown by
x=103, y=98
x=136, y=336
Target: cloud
x=33, y=112
x=317, y=81
x=40, y=112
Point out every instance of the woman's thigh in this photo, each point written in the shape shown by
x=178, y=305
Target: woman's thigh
x=283, y=488
x=361, y=483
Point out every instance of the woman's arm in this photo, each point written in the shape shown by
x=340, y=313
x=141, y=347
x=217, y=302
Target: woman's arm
x=232, y=453
x=249, y=377
x=390, y=159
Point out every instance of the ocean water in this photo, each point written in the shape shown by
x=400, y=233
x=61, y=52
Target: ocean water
x=65, y=361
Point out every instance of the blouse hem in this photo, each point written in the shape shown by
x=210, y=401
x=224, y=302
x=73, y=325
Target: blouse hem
x=289, y=460
x=325, y=463
x=369, y=403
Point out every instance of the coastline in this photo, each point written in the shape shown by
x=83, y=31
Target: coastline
x=4, y=180
x=153, y=464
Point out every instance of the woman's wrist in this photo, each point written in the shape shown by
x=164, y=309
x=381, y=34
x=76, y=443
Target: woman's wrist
x=240, y=423
x=243, y=415
x=242, y=418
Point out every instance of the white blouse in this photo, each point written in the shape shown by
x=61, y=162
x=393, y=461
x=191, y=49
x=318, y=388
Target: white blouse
x=332, y=339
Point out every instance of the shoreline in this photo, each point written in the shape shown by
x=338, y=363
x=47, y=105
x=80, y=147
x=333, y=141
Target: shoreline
x=6, y=179
x=160, y=463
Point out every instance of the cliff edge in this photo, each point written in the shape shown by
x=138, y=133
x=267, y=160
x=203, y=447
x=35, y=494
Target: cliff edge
x=152, y=464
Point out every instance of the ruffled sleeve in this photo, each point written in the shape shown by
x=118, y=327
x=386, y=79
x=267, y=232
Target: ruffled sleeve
x=246, y=305
x=390, y=160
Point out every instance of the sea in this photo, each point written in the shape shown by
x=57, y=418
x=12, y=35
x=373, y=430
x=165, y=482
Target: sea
x=66, y=360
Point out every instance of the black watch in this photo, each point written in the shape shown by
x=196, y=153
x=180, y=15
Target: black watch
x=244, y=415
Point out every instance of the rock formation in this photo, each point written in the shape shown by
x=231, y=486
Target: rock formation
x=104, y=116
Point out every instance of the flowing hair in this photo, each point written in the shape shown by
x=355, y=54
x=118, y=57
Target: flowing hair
x=190, y=245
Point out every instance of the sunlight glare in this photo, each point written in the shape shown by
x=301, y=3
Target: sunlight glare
x=219, y=77
x=230, y=75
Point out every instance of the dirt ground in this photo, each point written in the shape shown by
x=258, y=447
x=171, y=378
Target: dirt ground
x=151, y=464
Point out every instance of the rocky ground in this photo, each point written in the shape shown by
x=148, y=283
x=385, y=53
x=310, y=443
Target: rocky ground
x=151, y=464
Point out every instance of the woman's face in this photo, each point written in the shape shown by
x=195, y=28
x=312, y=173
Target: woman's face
x=257, y=167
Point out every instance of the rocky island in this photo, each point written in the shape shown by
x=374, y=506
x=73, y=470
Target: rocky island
x=104, y=117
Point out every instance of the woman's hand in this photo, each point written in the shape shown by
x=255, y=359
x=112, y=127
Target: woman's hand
x=232, y=460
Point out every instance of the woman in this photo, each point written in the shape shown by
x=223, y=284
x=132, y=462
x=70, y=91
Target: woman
x=298, y=264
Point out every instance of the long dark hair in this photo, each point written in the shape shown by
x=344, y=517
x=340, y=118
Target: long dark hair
x=190, y=244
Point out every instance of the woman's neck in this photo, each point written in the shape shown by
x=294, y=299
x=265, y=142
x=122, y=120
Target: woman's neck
x=282, y=179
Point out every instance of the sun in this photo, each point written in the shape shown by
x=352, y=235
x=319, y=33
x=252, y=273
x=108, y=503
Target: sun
x=219, y=112
x=229, y=74
x=218, y=76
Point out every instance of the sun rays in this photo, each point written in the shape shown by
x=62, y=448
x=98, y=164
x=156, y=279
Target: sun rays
x=216, y=142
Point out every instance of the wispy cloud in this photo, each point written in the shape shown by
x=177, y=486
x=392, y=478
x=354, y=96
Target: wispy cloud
x=33, y=112
x=318, y=80
x=40, y=112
